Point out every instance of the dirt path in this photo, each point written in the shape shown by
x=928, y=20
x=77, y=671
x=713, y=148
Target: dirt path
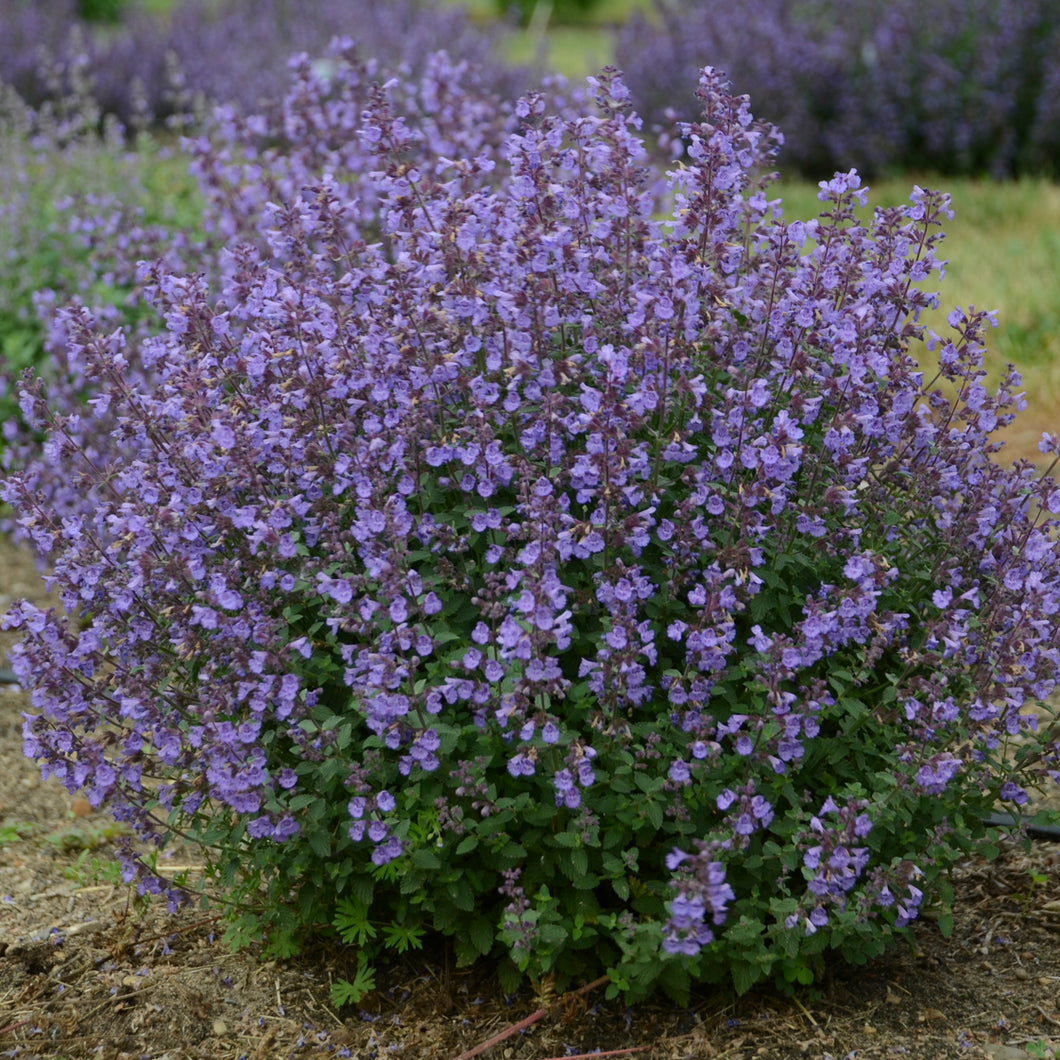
x=87, y=971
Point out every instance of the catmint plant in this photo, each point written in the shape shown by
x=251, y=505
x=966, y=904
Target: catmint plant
x=79, y=207
x=946, y=86
x=594, y=569
x=149, y=69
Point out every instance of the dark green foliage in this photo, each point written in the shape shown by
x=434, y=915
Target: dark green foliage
x=559, y=12
x=101, y=10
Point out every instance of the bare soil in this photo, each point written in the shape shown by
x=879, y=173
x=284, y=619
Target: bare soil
x=87, y=970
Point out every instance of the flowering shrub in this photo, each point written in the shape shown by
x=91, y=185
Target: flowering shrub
x=950, y=86
x=77, y=211
x=234, y=53
x=399, y=34
x=478, y=555
x=79, y=240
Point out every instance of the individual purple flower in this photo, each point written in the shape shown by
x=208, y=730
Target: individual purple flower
x=566, y=791
x=521, y=765
x=680, y=773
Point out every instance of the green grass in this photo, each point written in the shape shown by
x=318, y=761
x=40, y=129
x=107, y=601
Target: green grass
x=603, y=13
x=575, y=51
x=15, y=831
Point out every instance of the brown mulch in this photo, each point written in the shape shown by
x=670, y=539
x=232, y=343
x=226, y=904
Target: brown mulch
x=86, y=970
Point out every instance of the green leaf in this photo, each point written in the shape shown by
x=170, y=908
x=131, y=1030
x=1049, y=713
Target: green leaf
x=481, y=934
x=744, y=975
x=648, y=784
x=347, y=993
x=945, y=923
x=509, y=976
x=351, y=922
x=362, y=888
x=653, y=811
x=423, y=858
x=565, y=839
x=243, y=930
x=466, y=845
x=461, y=895
x=283, y=944
x=319, y=842
x=579, y=860
x=404, y=937
x=553, y=934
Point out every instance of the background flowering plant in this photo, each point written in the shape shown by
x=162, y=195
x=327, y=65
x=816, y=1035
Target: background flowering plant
x=142, y=68
x=472, y=553
x=946, y=86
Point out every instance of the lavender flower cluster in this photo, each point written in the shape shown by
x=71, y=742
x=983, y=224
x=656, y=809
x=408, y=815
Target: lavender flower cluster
x=469, y=549
x=947, y=86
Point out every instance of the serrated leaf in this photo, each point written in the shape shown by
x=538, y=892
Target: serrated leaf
x=344, y=992
x=446, y=916
x=579, y=861
x=351, y=922
x=467, y=844
x=404, y=937
x=744, y=975
x=653, y=811
x=465, y=951
x=553, y=934
x=362, y=889
x=423, y=858
x=564, y=839
x=509, y=976
x=319, y=842
x=461, y=895
x=282, y=946
x=481, y=935
x=647, y=784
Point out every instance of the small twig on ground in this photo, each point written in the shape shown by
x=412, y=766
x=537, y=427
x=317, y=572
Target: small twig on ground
x=138, y=992
x=609, y=1052
x=179, y=929
x=1045, y=1016
x=530, y=1020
